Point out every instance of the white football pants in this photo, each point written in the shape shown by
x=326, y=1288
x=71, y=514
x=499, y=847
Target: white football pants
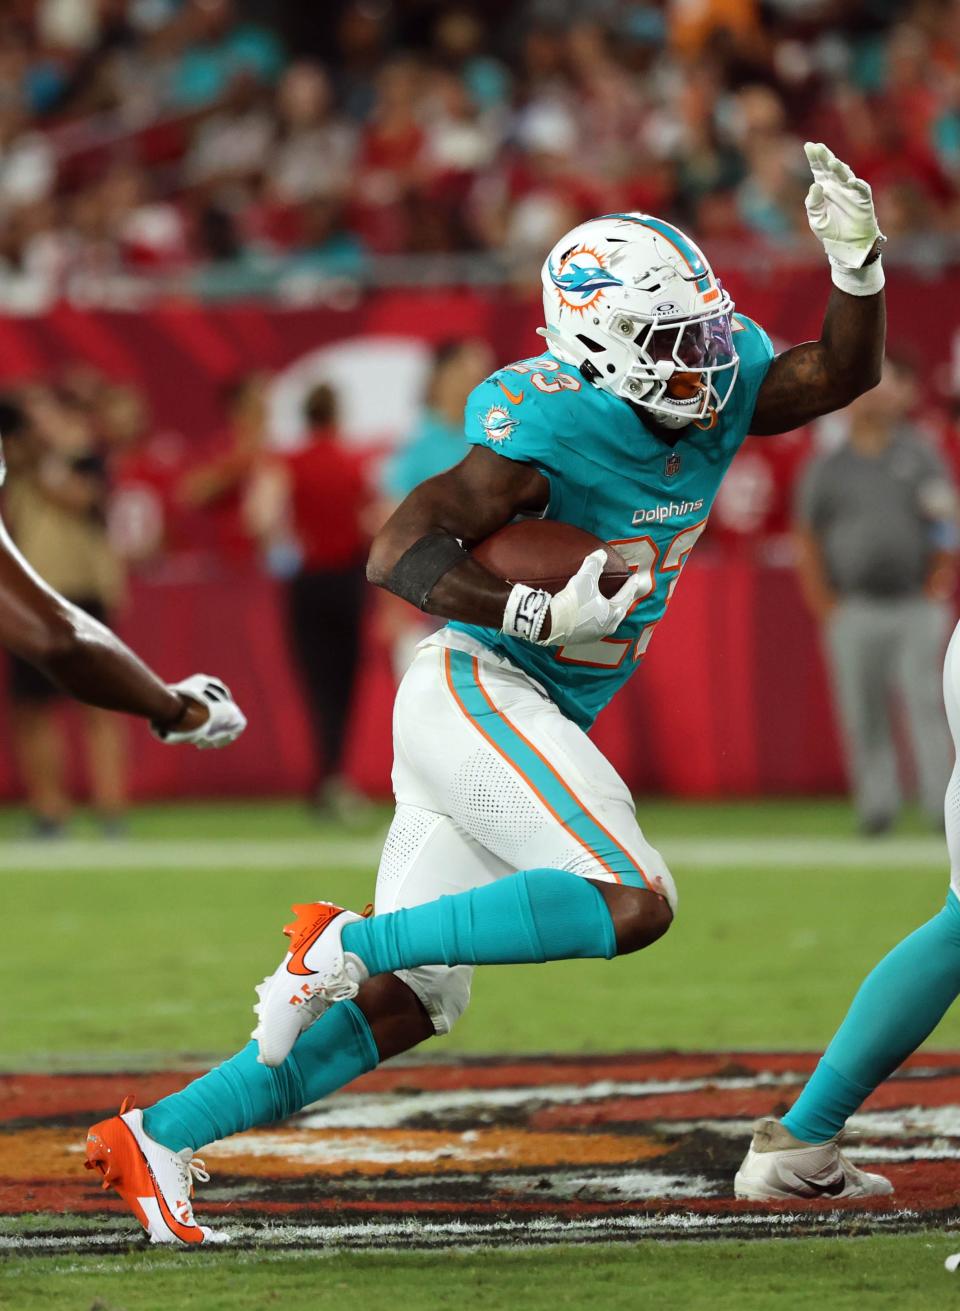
x=490, y=778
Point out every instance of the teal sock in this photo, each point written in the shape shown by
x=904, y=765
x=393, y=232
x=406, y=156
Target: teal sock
x=242, y=1093
x=536, y=915
x=898, y=1006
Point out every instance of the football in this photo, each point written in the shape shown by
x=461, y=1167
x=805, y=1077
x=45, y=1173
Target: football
x=545, y=554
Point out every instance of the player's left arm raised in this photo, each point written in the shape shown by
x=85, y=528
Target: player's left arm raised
x=818, y=377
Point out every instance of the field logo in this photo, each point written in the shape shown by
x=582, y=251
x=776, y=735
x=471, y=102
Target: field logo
x=581, y=278
x=488, y=1153
x=498, y=425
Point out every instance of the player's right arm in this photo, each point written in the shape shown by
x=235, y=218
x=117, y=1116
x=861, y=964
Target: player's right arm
x=421, y=555
x=465, y=504
x=90, y=663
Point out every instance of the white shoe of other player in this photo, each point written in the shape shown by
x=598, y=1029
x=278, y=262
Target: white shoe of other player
x=315, y=972
x=156, y=1183
x=780, y=1168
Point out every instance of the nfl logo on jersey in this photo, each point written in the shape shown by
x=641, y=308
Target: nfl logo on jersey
x=671, y=466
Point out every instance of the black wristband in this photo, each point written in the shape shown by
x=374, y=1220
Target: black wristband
x=422, y=565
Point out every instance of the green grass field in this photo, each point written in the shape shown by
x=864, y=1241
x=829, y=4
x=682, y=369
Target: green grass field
x=143, y=953
x=787, y=1274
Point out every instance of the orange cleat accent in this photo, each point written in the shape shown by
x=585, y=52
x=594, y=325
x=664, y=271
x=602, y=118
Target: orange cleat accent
x=120, y=1150
x=313, y=974
x=311, y=920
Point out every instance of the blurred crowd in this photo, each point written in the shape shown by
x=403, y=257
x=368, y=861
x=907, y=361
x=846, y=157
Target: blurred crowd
x=174, y=136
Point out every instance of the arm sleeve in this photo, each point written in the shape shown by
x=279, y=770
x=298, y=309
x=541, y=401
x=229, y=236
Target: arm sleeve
x=396, y=477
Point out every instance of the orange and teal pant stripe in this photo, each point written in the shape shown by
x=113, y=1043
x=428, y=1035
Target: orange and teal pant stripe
x=464, y=678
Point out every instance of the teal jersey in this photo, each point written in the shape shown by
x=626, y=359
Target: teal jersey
x=609, y=474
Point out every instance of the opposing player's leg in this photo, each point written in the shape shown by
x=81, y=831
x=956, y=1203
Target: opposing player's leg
x=498, y=758
x=145, y=1155
x=898, y=1006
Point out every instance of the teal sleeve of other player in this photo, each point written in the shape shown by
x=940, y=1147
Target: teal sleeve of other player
x=404, y=470
x=434, y=446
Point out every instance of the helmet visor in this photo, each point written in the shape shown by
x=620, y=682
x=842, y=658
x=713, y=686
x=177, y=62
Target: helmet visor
x=683, y=367
x=702, y=344
x=693, y=362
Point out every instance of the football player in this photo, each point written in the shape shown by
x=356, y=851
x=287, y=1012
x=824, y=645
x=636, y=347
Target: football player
x=514, y=839
x=88, y=662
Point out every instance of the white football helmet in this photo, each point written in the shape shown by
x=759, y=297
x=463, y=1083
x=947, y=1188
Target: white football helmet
x=633, y=303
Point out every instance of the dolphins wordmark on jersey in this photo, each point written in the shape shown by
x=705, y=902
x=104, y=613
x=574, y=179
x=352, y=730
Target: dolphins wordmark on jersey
x=611, y=475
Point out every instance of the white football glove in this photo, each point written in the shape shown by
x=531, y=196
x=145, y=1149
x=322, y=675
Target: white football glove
x=841, y=216
x=579, y=612
x=225, y=720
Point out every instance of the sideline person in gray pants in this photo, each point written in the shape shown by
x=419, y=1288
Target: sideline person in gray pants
x=877, y=536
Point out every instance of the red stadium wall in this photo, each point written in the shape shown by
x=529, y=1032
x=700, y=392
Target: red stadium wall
x=731, y=699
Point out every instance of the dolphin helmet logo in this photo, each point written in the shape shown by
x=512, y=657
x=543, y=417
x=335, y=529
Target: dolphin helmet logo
x=581, y=278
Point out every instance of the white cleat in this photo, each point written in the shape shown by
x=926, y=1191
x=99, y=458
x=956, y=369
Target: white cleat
x=155, y=1182
x=781, y=1168
x=309, y=1010
x=315, y=972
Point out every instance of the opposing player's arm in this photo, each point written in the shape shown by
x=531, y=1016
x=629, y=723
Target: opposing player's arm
x=818, y=377
x=88, y=661
x=417, y=553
